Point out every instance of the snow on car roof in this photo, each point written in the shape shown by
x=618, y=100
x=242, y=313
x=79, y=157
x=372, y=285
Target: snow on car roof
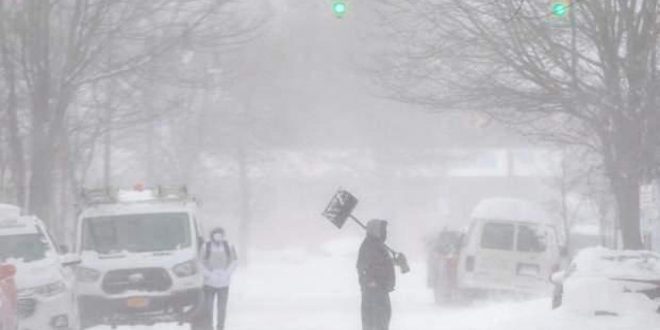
x=156, y=206
x=511, y=209
x=18, y=226
x=600, y=261
x=136, y=195
x=9, y=211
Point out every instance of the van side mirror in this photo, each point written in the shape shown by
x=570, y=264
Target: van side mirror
x=7, y=271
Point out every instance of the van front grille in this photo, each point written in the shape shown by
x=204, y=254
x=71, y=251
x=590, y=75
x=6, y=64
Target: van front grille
x=139, y=279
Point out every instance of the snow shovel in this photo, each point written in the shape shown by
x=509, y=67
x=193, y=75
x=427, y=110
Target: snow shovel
x=340, y=209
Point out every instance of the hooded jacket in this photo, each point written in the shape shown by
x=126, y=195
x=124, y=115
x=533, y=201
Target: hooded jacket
x=375, y=265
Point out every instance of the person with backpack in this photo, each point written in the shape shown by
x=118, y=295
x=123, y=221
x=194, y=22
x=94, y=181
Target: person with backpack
x=219, y=262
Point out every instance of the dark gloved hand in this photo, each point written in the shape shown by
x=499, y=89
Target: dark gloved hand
x=401, y=261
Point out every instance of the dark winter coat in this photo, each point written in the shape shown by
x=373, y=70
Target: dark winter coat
x=375, y=264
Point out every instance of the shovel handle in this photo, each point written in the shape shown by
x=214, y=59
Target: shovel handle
x=399, y=258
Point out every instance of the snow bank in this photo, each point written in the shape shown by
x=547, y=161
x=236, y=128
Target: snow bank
x=600, y=261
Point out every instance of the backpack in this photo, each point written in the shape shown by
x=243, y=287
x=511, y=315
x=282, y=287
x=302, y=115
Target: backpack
x=230, y=251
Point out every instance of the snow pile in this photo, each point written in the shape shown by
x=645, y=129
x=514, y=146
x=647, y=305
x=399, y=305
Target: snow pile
x=599, y=261
x=600, y=280
x=588, y=296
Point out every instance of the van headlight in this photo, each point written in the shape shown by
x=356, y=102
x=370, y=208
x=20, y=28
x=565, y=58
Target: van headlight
x=84, y=274
x=185, y=269
x=47, y=290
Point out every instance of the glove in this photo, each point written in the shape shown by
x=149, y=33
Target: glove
x=401, y=261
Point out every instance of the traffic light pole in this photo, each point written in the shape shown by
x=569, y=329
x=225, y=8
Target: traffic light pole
x=573, y=46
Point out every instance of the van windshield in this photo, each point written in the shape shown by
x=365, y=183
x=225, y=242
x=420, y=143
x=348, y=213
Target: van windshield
x=149, y=232
x=24, y=247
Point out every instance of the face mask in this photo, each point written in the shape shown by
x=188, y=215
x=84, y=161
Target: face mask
x=217, y=237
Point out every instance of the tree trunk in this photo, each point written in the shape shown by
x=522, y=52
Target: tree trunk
x=15, y=143
x=41, y=179
x=626, y=192
x=245, y=212
x=42, y=162
x=107, y=150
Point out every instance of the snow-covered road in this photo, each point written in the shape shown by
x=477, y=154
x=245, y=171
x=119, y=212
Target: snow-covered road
x=296, y=290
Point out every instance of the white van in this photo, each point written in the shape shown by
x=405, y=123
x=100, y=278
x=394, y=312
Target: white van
x=44, y=279
x=139, y=252
x=511, y=246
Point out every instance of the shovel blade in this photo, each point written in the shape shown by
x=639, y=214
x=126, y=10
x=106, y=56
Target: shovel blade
x=340, y=208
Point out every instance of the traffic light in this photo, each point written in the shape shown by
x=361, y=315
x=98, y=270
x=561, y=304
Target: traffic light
x=339, y=8
x=560, y=8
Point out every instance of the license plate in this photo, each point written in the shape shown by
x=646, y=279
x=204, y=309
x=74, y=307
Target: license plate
x=137, y=302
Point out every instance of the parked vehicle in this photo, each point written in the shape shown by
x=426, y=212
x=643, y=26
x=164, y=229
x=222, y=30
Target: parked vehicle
x=442, y=264
x=140, y=263
x=44, y=279
x=8, y=313
x=601, y=281
x=511, y=246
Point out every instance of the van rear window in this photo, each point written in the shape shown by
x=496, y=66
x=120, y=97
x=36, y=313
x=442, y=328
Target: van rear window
x=497, y=236
x=530, y=239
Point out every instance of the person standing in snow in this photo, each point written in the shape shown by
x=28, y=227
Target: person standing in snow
x=219, y=262
x=376, y=274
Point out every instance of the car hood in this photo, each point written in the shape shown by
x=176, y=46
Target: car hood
x=127, y=260
x=37, y=273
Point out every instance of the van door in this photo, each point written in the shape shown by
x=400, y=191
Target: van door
x=495, y=259
x=533, y=252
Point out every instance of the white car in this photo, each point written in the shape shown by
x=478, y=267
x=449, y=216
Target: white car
x=140, y=265
x=600, y=281
x=44, y=280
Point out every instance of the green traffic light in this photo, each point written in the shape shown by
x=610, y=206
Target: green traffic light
x=339, y=8
x=559, y=9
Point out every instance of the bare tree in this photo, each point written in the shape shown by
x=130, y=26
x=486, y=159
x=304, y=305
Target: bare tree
x=54, y=53
x=589, y=81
